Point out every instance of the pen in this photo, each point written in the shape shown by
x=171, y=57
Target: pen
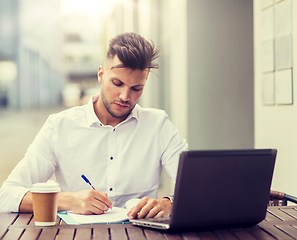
x=87, y=181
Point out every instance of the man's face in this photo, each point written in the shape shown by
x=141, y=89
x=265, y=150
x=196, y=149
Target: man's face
x=121, y=88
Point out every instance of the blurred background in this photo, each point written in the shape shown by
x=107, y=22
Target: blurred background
x=210, y=80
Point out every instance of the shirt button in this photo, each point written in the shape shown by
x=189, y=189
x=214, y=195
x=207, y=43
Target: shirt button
x=110, y=189
x=111, y=158
x=113, y=129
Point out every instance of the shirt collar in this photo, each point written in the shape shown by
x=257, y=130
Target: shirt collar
x=92, y=117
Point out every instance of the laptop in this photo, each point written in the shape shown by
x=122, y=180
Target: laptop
x=219, y=189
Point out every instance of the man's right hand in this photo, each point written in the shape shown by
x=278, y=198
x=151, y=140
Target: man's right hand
x=81, y=202
x=84, y=202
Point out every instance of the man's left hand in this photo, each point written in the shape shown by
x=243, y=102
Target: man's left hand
x=151, y=208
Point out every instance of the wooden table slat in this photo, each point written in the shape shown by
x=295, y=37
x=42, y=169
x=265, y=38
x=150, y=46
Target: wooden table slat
x=294, y=227
x=107, y=226
x=172, y=236
x=66, y=234
x=207, y=236
x=83, y=234
x=135, y=233
x=13, y=234
x=23, y=219
x=31, y=222
x=3, y=230
x=271, y=217
x=48, y=233
x=258, y=233
x=190, y=236
x=290, y=230
x=153, y=234
x=277, y=233
x=242, y=233
x=61, y=222
x=225, y=234
x=291, y=211
x=31, y=233
x=8, y=218
x=280, y=223
x=100, y=234
x=118, y=233
x=280, y=214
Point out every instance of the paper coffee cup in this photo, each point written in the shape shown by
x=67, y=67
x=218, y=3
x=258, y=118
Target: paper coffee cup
x=45, y=202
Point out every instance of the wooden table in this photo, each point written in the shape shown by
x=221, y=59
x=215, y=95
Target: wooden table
x=280, y=223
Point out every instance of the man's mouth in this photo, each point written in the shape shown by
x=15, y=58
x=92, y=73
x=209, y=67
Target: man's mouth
x=122, y=106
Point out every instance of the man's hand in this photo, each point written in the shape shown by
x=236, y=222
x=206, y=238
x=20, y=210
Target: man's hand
x=151, y=208
x=84, y=202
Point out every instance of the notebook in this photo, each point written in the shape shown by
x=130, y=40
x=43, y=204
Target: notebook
x=114, y=215
x=219, y=189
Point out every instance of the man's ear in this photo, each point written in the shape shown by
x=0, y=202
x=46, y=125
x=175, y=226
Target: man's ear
x=100, y=74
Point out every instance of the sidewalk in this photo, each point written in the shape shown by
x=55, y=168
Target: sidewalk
x=17, y=131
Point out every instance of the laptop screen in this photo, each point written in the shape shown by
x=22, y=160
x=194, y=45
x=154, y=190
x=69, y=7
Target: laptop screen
x=222, y=187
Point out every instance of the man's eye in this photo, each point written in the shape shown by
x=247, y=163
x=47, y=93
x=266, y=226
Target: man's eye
x=117, y=83
x=137, y=89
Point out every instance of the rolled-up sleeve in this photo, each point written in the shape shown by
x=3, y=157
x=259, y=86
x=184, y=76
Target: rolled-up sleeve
x=38, y=165
x=173, y=144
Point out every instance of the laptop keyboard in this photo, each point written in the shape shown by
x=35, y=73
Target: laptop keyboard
x=160, y=220
x=166, y=221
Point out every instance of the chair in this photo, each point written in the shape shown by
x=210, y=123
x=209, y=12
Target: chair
x=280, y=199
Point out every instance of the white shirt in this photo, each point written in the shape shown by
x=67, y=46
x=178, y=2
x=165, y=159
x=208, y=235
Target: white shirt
x=124, y=161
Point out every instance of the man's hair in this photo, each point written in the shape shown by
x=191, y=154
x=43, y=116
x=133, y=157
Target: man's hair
x=133, y=51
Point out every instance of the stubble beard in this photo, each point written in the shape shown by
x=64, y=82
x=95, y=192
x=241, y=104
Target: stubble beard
x=107, y=106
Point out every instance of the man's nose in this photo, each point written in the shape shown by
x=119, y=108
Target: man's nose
x=125, y=95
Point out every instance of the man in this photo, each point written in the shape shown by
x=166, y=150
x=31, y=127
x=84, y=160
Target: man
x=118, y=145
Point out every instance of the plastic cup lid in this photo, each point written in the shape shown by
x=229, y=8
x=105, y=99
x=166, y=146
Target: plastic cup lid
x=48, y=187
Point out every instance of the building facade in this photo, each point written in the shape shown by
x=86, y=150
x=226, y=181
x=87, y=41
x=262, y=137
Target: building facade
x=31, y=75
x=206, y=79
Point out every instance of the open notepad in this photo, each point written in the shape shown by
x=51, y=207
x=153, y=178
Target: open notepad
x=111, y=216
x=114, y=215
